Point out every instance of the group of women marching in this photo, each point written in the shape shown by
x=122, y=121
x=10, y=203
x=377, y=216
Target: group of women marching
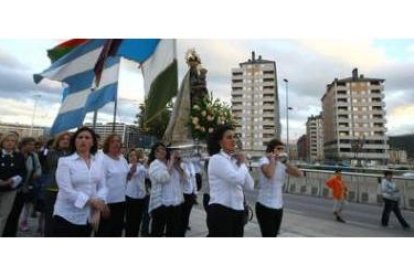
x=102, y=193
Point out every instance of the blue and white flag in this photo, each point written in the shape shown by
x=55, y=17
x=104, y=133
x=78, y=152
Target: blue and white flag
x=158, y=60
x=76, y=71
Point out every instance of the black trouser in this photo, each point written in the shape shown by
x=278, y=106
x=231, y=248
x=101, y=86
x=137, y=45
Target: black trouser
x=189, y=200
x=166, y=217
x=145, y=219
x=269, y=220
x=12, y=224
x=50, y=199
x=134, y=211
x=391, y=205
x=64, y=228
x=112, y=226
x=224, y=222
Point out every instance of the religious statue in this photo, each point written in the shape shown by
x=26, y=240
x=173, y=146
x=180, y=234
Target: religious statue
x=198, y=76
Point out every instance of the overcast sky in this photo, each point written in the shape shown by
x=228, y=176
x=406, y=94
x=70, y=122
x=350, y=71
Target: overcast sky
x=309, y=65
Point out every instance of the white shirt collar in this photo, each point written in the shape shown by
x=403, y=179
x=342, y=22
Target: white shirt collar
x=75, y=156
x=4, y=152
x=225, y=154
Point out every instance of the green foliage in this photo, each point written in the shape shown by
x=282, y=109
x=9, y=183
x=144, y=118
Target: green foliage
x=156, y=125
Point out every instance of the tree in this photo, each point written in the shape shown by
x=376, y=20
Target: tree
x=154, y=126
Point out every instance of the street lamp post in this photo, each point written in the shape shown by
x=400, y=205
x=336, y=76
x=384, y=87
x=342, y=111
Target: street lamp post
x=37, y=96
x=287, y=116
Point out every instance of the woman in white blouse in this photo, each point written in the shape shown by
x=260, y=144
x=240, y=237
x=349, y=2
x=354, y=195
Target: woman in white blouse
x=228, y=175
x=116, y=170
x=272, y=173
x=166, y=193
x=135, y=192
x=82, y=189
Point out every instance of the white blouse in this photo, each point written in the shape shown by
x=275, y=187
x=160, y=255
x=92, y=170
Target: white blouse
x=227, y=181
x=189, y=185
x=136, y=185
x=165, y=186
x=77, y=185
x=270, y=190
x=116, y=172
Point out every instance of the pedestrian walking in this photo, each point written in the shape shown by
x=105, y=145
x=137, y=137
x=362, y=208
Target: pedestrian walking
x=273, y=170
x=60, y=148
x=82, y=191
x=12, y=175
x=166, y=193
x=135, y=192
x=391, y=196
x=228, y=176
x=116, y=170
x=339, y=193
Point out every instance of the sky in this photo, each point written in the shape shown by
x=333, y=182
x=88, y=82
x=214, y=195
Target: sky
x=308, y=64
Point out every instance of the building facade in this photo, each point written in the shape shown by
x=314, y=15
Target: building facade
x=255, y=103
x=314, y=133
x=302, y=146
x=23, y=130
x=354, y=121
x=129, y=134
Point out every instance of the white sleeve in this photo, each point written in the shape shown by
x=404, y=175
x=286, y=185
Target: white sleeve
x=224, y=170
x=158, y=173
x=102, y=189
x=63, y=180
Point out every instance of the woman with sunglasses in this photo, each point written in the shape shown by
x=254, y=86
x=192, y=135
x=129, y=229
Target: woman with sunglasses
x=273, y=169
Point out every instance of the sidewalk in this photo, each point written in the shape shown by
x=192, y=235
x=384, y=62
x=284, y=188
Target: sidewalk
x=294, y=224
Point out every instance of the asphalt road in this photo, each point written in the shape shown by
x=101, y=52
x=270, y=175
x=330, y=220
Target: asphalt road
x=363, y=215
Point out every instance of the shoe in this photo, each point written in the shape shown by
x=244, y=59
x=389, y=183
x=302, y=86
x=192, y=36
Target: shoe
x=339, y=219
x=188, y=228
x=24, y=227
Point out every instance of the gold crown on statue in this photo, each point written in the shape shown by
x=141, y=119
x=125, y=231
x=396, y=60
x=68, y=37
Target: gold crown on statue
x=192, y=56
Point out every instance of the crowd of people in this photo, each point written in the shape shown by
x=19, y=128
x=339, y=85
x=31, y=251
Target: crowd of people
x=80, y=188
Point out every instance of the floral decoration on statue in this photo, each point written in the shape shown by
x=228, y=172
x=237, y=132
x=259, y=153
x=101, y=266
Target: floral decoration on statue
x=207, y=115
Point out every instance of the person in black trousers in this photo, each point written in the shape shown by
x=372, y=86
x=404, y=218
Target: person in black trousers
x=228, y=175
x=60, y=148
x=391, y=196
x=12, y=175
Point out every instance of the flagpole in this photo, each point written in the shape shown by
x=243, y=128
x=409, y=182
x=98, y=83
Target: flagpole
x=115, y=107
x=95, y=118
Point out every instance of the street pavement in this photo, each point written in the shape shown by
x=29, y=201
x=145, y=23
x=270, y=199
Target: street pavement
x=304, y=216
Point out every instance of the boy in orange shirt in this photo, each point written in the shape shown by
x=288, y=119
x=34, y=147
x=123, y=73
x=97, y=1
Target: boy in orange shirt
x=339, y=193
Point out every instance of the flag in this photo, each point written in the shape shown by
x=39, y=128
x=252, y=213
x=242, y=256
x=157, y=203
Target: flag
x=159, y=68
x=62, y=49
x=76, y=71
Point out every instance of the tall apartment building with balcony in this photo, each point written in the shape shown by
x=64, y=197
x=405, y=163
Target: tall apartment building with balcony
x=314, y=132
x=255, y=103
x=354, y=121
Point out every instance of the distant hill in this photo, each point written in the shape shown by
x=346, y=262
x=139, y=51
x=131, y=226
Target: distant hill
x=403, y=142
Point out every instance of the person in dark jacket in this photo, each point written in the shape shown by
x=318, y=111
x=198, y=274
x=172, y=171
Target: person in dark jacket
x=12, y=175
x=60, y=148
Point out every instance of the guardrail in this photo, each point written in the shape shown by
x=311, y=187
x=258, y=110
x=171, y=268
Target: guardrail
x=362, y=187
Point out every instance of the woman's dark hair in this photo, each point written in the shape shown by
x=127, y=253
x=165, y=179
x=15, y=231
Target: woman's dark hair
x=25, y=141
x=273, y=144
x=108, y=140
x=213, y=141
x=386, y=173
x=151, y=156
x=94, y=147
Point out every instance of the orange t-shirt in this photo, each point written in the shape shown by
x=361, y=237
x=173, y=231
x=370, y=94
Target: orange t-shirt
x=338, y=187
